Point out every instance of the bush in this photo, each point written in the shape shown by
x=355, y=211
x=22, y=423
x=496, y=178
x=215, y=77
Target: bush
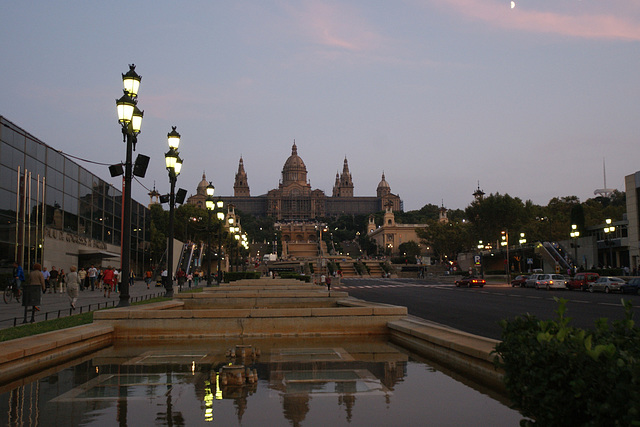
x=560, y=375
x=403, y=260
x=294, y=275
x=231, y=276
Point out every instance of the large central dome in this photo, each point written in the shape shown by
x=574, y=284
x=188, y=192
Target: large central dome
x=294, y=170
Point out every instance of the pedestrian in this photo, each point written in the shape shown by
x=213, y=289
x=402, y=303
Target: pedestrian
x=45, y=274
x=190, y=278
x=53, y=279
x=323, y=280
x=107, y=280
x=62, y=279
x=116, y=280
x=147, y=277
x=92, y=274
x=73, y=286
x=196, y=277
x=132, y=277
x=181, y=277
x=18, y=277
x=165, y=277
x=329, y=283
x=36, y=278
x=82, y=276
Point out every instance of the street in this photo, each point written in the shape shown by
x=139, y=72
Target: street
x=479, y=310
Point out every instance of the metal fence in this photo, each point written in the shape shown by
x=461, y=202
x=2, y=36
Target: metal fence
x=57, y=314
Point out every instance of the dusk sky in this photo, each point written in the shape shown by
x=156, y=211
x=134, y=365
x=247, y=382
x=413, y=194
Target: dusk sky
x=439, y=94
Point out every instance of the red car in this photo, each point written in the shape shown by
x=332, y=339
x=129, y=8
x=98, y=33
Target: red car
x=519, y=281
x=470, y=281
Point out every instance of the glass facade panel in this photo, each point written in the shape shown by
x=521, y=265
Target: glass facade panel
x=13, y=137
x=70, y=222
x=11, y=157
x=84, y=226
x=96, y=231
x=8, y=178
x=55, y=160
x=70, y=204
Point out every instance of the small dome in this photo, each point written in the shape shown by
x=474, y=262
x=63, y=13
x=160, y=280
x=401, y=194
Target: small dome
x=202, y=186
x=383, y=183
x=294, y=161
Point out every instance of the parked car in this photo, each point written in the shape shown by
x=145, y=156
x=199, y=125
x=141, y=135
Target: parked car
x=582, y=281
x=546, y=281
x=519, y=280
x=470, y=281
x=607, y=284
x=631, y=287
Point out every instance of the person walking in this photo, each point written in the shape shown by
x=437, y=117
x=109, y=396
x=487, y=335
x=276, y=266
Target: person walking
x=148, y=275
x=328, y=281
x=107, y=280
x=18, y=276
x=45, y=274
x=53, y=279
x=82, y=276
x=62, y=279
x=92, y=274
x=73, y=286
x=36, y=278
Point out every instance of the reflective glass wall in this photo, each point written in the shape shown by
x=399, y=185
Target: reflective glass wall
x=76, y=202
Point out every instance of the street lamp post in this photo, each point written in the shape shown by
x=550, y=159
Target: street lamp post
x=220, y=215
x=130, y=119
x=505, y=242
x=574, y=235
x=210, y=204
x=174, y=165
x=522, y=241
x=607, y=230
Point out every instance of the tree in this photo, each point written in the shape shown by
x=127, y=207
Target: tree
x=496, y=213
x=410, y=249
x=446, y=239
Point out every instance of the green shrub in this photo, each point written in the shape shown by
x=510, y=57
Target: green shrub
x=560, y=375
x=294, y=275
x=231, y=276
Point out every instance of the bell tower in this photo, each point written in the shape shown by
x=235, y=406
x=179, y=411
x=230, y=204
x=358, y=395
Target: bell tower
x=241, y=184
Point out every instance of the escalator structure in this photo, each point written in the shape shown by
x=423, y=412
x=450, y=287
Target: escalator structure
x=554, y=254
x=190, y=257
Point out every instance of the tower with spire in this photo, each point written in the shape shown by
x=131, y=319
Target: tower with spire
x=241, y=184
x=344, y=183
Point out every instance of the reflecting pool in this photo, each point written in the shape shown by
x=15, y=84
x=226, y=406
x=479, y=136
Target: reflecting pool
x=356, y=381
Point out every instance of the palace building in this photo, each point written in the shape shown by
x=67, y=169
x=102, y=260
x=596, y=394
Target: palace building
x=295, y=200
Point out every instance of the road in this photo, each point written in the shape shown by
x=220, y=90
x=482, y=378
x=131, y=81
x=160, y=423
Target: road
x=479, y=310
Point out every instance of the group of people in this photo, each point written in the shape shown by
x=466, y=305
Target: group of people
x=54, y=280
x=58, y=281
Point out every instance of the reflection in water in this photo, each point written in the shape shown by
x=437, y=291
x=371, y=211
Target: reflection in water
x=355, y=382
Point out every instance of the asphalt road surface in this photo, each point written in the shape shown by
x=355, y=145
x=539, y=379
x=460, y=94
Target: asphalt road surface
x=479, y=310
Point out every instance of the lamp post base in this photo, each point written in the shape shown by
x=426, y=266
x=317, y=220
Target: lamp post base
x=169, y=289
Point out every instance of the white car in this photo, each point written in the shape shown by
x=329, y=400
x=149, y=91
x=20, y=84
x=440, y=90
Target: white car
x=546, y=281
x=607, y=284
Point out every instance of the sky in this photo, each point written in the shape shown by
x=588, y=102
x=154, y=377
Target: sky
x=440, y=95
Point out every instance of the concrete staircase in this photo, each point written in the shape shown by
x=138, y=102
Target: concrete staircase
x=374, y=268
x=348, y=269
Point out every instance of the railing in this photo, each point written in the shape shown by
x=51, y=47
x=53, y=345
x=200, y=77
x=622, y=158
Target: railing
x=57, y=314
x=557, y=257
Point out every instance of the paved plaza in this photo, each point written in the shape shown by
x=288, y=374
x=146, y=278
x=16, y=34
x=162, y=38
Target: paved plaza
x=58, y=305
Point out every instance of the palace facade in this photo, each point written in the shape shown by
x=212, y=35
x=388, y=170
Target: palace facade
x=295, y=200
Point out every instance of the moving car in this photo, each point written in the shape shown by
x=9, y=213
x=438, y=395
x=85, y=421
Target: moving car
x=546, y=281
x=519, y=280
x=607, y=284
x=582, y=281
x=631, y=287
x=470, y=281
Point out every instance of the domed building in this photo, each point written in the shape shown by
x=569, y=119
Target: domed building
x=295, y=200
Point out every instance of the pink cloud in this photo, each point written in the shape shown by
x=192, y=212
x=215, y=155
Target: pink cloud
x=335, y=25
x=617, y=23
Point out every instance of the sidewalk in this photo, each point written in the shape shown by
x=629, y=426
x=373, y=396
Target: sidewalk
x=57, y=305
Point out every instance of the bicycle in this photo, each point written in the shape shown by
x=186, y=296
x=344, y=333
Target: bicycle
x=11, y=292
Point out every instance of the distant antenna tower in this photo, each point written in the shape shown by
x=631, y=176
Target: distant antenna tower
x=604, y=192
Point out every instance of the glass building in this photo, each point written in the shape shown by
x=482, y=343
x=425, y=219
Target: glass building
x=57, y=213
